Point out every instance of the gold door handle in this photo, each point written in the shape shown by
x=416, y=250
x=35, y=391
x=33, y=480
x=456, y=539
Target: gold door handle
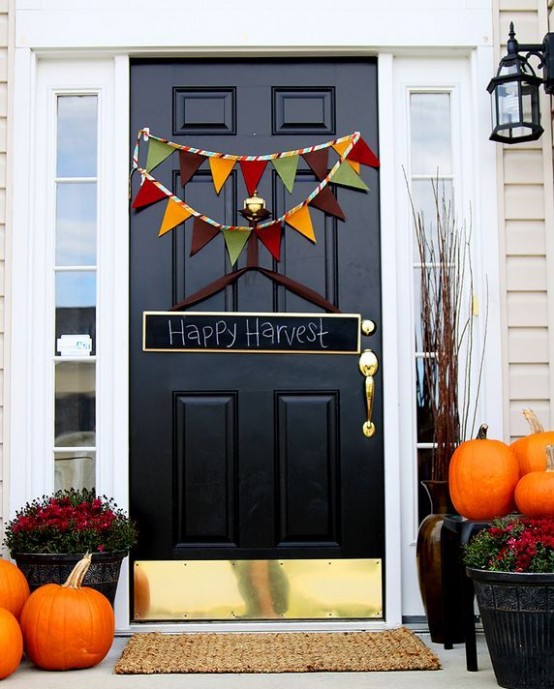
x=369, y=365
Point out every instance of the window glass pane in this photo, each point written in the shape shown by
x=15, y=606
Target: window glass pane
x=76, y=305
x=77, y=136
x=432, y=187
x=430, y=133
x=76, y=224
x=425, y=205
x=74, y=469
x=423, y=407
x=75, y=398
x=424, y=459
x=417, y=311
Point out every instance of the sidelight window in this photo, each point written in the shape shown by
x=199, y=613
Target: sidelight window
x=431, y=166
x=75, y=260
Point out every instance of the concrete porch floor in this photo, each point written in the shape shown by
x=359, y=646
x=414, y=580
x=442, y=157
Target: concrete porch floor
x=453, y=674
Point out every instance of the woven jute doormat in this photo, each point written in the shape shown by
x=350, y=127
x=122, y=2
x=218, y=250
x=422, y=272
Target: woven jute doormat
x=397, y=649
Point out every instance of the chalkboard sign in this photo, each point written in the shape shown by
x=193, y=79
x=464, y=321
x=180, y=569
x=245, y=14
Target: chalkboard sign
x=172, y=331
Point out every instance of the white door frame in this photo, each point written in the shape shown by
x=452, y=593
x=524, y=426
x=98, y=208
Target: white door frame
x=102, y=62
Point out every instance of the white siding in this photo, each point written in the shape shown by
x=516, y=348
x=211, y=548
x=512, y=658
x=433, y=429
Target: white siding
x=526, y=199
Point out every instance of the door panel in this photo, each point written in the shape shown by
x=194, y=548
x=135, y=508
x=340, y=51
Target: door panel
x=238, y=455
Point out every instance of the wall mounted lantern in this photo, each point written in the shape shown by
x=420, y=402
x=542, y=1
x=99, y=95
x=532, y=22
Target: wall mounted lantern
x=514, y=90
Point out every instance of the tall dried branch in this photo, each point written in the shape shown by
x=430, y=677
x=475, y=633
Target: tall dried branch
x=447, y=328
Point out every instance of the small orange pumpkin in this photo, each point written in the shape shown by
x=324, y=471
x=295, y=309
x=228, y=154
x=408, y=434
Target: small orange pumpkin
x=14, y=589
x=530, y=451
x=67, y=626
x=11, y=643
x=535, y=491
x=482, y=477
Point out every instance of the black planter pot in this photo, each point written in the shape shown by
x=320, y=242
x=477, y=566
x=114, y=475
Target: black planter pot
x=53, y=568
x=517, y=611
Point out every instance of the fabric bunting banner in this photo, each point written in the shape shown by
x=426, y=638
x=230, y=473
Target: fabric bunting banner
x=352, y=152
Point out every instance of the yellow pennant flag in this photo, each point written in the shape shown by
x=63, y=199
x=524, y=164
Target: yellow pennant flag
x=340, y=148
x=302, y=222
x=174, y=215
x=221, y=169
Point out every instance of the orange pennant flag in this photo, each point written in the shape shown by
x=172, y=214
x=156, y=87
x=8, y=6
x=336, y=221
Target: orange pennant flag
x=302, y=222
x=340, y=148
x=174, y=215
x=221, y=169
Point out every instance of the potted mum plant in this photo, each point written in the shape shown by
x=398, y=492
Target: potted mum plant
x=511, y=564
x=49, y=535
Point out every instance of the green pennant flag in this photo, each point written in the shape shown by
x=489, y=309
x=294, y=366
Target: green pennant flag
x=157, y=153
x=347, y=177
x=286, y=169
x=235, y=241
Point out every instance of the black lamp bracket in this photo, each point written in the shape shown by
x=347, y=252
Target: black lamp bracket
x=543, y=51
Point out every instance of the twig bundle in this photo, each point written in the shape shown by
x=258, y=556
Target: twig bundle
x=446, y=329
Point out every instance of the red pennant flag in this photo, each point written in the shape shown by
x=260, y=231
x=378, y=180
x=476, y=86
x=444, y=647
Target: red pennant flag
x=362, y=153
x=202, y=233
x=270, y=237
x=252, y=171
x=319, y=162
x=326, y=201
x=147, y=194
x=189, y=163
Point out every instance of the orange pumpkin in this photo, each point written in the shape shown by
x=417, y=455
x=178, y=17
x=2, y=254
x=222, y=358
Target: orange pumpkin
x=482, y=477
x=530, y=450
x=67, y=626
x=535, y=491
x=14, y=589
x=11, y=643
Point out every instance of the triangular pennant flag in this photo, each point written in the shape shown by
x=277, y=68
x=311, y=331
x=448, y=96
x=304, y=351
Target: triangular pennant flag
x=341, y=147
x=302, y=222
x=235, y=241
x=148, y=193
x=318, y=161
x=221, y=169
x=327, y=202
x=252, y=171
x=202, y=233
x=157, y=153
x=363, y=154
x=346, y=176
x=174, y=215
x=270, y=237
x=286, y=169
x=189, y=163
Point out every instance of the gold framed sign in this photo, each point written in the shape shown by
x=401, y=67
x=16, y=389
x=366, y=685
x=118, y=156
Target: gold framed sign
x=269, y=333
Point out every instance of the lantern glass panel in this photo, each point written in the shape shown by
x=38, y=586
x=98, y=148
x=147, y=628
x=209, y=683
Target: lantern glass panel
x=530, y=102
x=508, y=103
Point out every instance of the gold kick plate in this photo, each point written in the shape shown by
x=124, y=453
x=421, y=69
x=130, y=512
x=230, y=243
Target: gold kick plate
x=257, y=589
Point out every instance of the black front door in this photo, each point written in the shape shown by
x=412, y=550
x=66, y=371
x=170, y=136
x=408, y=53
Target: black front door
x=238, y=455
